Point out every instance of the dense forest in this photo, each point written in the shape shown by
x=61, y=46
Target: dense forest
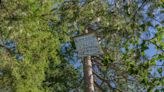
x=37, y=53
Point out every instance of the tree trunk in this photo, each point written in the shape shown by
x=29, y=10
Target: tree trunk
x=88, y=76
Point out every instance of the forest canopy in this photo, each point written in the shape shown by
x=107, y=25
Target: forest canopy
x=37, y=53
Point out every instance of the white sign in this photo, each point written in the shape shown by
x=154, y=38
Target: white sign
x=87, y=45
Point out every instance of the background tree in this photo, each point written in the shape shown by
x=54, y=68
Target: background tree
x=30, y=58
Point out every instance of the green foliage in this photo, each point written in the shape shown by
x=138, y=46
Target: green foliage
x=25, y=23
x=120, y=26
x=35, y=31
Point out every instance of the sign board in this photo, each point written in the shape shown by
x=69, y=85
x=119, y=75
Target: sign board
x=87, y=45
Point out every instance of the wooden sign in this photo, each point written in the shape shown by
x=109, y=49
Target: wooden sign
x=87, y=45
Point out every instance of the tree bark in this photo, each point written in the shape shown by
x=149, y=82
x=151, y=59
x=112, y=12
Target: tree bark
x=88, y=75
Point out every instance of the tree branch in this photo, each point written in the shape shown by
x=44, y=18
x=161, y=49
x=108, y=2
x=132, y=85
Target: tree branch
x=157, y=46
x=107, y=82
x=99, y=87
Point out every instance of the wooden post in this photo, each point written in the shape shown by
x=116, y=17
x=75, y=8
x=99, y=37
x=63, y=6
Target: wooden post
x=88, y=75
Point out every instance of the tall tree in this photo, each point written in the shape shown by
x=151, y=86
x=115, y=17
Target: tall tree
x=120, y=29
x=30, y=58
x=35, y=47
